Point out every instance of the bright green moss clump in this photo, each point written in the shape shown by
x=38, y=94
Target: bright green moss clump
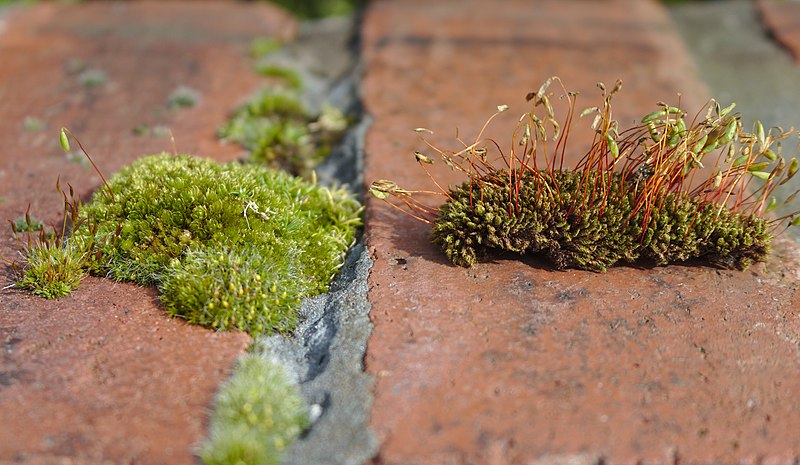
x=229, y=245
x=556, y=217
x=258, y=413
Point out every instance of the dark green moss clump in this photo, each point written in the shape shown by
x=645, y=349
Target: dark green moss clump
x=229, y=245
x=567, y=220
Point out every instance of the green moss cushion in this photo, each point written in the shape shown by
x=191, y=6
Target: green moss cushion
x=229, y=245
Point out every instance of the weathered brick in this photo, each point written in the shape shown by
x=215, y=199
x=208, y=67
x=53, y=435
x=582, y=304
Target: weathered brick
x=104, y=376
x=510, y=362
x=782, y=19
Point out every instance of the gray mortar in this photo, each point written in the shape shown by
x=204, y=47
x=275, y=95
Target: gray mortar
x=325, y=355
x=740, y=62
x=324, y=54
x=326, y=358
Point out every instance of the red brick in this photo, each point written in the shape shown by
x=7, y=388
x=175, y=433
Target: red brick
x=104, y=376
x=510, y=362
x=782, y=19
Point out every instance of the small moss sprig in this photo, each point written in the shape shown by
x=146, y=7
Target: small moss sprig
x=258, y=413
x=53, y=263
x=637, y=193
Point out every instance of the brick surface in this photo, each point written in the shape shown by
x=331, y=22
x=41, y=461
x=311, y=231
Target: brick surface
x=510, y=362
x=103, y=376
x=782, y=19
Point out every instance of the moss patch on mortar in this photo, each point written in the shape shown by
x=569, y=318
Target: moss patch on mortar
x=280, y=133
x=257, y=414
x=228, y=245
x=275, y=126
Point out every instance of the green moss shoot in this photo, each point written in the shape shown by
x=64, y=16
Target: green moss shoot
x=92, y=78
x=263, y=46
x=285, y=76
x=182, y=97
x=258, y=413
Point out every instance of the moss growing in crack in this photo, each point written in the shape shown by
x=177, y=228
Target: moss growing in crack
x=229, y=245
x=278, y=131
x=588, y=235
x=258, y=414
x=263, y=46
x=288, y=77
x=230, y=287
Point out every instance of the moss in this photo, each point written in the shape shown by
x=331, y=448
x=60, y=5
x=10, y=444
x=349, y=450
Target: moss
x=230, y=287
x=279, y=132
x=258, y=413
x=53, y=269
x=182, y=97
x=647, y=192
x=275, y=127
x=263, y=46
x=29, y=223
x=92, y=78
x=229, y=245
x=556, y=216
x=33, y=124
x=288, y=77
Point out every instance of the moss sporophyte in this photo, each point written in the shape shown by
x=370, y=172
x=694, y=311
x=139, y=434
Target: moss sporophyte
x=643, y=192
x=228, y=245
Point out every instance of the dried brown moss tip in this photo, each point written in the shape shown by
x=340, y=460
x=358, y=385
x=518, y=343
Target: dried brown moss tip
x=575, y=233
